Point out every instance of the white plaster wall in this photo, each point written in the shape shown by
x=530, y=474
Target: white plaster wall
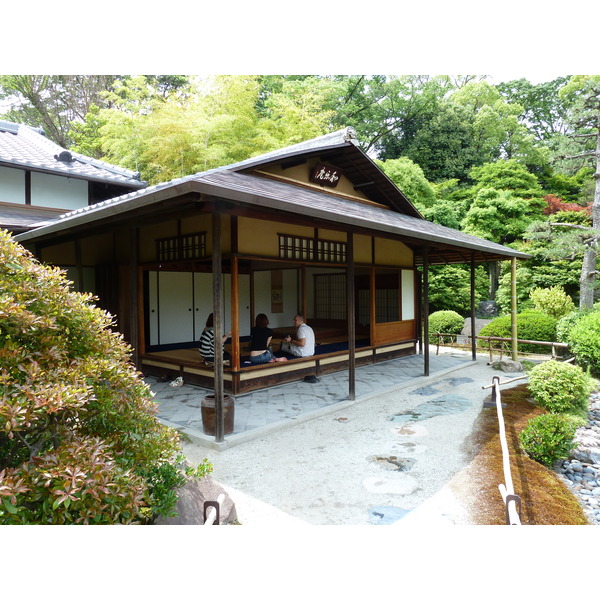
x=262, y=297
x=58, y=192
x=12, y=185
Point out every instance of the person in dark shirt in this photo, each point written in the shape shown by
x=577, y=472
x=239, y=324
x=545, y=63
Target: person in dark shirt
x=261, y=335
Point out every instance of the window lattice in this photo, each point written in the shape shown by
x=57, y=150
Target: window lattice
x=294, y=247
x=184, y=247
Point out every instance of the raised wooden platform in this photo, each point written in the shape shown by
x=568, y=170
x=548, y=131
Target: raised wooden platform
x=188, y=363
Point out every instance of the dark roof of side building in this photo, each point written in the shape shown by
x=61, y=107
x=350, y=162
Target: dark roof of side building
x=28, y=148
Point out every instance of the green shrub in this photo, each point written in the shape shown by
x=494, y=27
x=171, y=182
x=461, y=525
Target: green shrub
x=552, y=301
x=445, y=321
x=531, y=325
x=79, y=437
x=565, y=324
x=548, y=438
x=560, y=387
x=584, y=340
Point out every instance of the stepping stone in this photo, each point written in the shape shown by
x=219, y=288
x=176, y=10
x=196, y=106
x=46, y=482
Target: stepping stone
x=411, y=430
x=386, y=515
x=402, y=484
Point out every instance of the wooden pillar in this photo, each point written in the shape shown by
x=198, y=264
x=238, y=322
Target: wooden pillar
x=235, y=315
x=513, y=307
x=133, y=294
x=372, y=308
x=426, y=312
x=79, y=265
x=303, y=298
x=419, y=303
x=473, y=340
x=218, y=325
x=351, y=316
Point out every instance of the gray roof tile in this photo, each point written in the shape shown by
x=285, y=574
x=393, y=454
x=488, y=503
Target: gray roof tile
x=23, y=146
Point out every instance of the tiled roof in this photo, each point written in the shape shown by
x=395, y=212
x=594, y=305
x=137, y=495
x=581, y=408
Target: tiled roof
x=233, y=182
x=26, y=147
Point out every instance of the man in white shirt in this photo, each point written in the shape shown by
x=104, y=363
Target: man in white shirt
x=304, y=343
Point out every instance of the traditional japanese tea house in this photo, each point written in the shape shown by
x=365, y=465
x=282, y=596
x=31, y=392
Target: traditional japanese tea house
x=315, y=228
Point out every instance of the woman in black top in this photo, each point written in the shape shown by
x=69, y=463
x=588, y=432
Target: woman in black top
x=260, y=339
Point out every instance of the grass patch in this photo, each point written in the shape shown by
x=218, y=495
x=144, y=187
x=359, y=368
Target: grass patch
x=545, y=500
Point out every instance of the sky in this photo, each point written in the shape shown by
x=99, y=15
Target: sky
x=509, y=40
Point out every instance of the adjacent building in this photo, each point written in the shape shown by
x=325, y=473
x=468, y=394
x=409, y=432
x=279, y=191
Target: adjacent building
x=39, y=180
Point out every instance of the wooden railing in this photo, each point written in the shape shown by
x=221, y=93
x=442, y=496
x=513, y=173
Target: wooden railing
x=512, y=502
x=503, y=349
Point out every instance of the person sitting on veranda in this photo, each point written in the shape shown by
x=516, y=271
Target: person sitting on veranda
x=260, y=340
x=303, y=344
x=207, y=343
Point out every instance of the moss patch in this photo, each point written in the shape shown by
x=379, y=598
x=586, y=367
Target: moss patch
x=544, y=498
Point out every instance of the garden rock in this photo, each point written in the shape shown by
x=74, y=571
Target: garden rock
x=588, y=446
x=487, y=309
x=507, y=365
x=190, y=505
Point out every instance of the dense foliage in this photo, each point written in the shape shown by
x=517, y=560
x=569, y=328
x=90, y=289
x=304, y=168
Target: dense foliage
x=79, y=437
x=531, y=325
x=583, y=338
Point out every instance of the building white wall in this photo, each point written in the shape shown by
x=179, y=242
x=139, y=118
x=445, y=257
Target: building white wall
x=12, y=185
x=58, y=192
x=50, y=191
x=262, y=297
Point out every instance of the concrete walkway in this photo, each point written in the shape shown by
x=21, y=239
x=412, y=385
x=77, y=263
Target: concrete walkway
x=386, y=459
x=277, y=407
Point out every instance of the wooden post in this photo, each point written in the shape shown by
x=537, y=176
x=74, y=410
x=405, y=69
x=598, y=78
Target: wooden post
x=303, y=300
x=235, y=315
x=133, y=294
x=218, y=324
x=372, y=309
x=513, y=307
x=350, y=315
x=426, y=312
x=473, y=340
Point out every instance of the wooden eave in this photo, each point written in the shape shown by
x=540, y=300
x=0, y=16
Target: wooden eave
x=364, y=174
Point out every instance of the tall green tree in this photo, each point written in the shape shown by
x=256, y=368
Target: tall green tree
x=544, y=111
x=409, y=177
x=388, y=111
x=583, y=92
x=53, y=102
x=497, y=132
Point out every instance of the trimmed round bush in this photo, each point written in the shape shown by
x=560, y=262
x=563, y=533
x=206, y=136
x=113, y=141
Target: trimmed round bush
x=548, y=438
x=531, y=325
x=584, y=340
x=445, y=321
x=553, y=301
x=560, y=387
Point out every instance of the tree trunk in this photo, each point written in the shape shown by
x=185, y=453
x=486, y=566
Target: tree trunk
x=587, y=281
x=494, y=274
